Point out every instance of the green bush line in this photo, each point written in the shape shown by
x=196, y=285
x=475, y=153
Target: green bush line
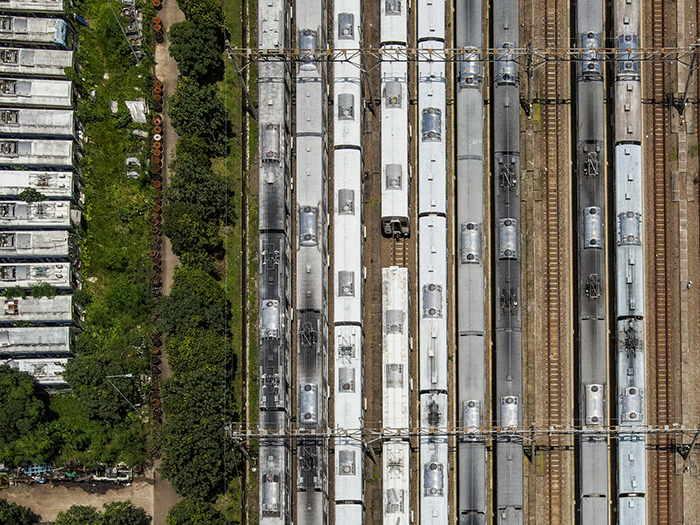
x=201, y=315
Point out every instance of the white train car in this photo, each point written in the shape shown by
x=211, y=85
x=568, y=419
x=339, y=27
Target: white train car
x=39, y=62
x=35, y=121
x=28, y=30
x=432, y=272
x=58, y=310
x=32, y=244
x=396, y=391
x=348, y=272
x=58, y=154
x=36, y=92
x=44, y=214
x=59, y=185
x=394, y=123
x=28, y=275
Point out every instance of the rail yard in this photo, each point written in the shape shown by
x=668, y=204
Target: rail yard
x=479, y=231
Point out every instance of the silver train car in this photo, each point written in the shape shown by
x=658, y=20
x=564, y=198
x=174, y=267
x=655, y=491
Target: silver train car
x=274, y=278
x=471, y=365
x=591, y=298
x=629, y=266
x=348, y=270
x=311, y=264
x=396, y=396
x=394, y=118
x=507, y=255
x=434, y=464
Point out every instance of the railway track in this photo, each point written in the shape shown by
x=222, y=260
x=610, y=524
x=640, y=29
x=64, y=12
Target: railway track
x=664, y=410
x=398, y=251
x=552, y=125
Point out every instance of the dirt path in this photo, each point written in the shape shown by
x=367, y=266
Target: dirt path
x=164, y=496
x=46, y=501
x=167, y=72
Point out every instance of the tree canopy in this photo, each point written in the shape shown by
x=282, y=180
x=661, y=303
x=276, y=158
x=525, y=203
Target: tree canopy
x=115, y=513
x=196, y=301
x=206, y=12
x=13, y=514
x=198, y=49
x=193, y=511
x=198, y=456
x=197, y=110
x=21, y=410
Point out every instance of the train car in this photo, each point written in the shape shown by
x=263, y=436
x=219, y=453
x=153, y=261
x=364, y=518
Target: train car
x=35, y=62
x=591, y=302
x=629, y=265
x=46, y=154
x=34, y=30
x=509, y=497
x=36, y=245
x=311, y=263
x=348, y=270
x=434, y=466
x=38, y=311
x=394, y=118
x=274, y=278
x=29, y=342
x=36, y=92
x=57, y=185
x=396, y=393
x=47, y=372
x=49, y=123
x=34, y=6
x=28, y=275
x=43, y=214
x=470, y=296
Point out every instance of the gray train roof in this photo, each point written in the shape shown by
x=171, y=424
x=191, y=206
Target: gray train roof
x=52, y=184
x=39, y=62
x=57, y=309
x=26, y=275
x=33, y=30
x=36, y=340
x=632, y=511
x=34, y=152
x=31, y=121
x=36, y=92
x=44, y=214
x=45, y=371
x=37, y=244
x=34, y=6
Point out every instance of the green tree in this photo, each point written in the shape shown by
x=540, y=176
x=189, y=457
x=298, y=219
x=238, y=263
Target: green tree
x=79, y=515
x=197, y=110
x=31, y=195
x=205, y=12
x=197, y=48
x=193, y=238
x=196, y=301
x=13, y=514
x=124, y=513
x=198, y=456
x=21, y=410
x=193, y=511
x=193, y=349
x=97, y=398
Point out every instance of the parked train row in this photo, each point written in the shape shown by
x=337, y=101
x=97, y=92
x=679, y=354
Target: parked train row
x=507, y=252
x=434, y=464
x=591, y=298
x=274, y=278
x=310, y=184
x=396, y=393
x=629, y=266
x=471, y=365
x=348, y=269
